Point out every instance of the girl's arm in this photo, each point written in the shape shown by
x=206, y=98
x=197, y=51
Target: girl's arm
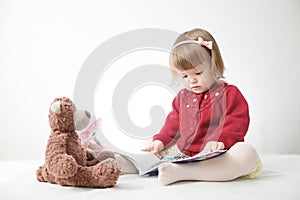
x=235, y=121
x=169, y=132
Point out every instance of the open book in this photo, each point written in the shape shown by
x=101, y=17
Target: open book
x=147, y=163
x=172, y=155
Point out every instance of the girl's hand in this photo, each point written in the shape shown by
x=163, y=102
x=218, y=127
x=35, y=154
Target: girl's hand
x=155, y=147
x=213, y=145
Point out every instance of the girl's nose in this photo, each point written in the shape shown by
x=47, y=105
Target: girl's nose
x=192, y=79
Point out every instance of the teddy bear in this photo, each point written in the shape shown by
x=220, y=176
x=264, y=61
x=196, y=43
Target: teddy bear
x=67, y=162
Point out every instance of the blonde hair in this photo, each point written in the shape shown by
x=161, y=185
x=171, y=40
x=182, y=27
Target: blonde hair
x=191, y=55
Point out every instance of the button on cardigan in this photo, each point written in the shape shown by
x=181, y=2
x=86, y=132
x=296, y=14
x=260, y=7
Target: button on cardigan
x=220, y=114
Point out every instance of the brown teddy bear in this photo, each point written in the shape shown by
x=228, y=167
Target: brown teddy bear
x=67, y=162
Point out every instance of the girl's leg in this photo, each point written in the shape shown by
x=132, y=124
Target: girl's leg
x=241, y=159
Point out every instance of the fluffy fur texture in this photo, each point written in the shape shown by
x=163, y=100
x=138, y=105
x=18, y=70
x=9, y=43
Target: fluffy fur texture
x=67, y=162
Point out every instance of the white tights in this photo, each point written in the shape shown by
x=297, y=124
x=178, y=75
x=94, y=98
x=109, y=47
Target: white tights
x=241, y=159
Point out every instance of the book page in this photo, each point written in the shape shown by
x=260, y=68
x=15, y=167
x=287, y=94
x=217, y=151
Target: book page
x=173, y=155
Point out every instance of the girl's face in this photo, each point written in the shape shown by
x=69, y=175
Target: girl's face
x=197, y=80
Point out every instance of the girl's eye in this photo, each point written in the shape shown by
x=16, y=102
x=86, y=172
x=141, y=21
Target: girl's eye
x=198, y=73
x=184, y=76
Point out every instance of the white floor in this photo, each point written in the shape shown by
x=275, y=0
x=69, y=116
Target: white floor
x=279, y=180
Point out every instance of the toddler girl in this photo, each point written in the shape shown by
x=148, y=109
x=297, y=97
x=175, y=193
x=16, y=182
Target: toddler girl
x=207, y=114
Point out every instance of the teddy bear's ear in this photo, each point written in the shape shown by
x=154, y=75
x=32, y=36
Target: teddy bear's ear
x=55, y=107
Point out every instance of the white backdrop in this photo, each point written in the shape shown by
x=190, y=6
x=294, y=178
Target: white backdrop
x=43, y=45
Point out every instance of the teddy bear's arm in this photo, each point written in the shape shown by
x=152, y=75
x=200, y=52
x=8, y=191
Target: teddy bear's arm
x=90, y=159
x=58, y=162
x=96, y=157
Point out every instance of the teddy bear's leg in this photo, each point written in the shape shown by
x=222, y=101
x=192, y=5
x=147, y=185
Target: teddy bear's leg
x=62, y=166
x=104, y=174
x=108, y=169
x=42, y=175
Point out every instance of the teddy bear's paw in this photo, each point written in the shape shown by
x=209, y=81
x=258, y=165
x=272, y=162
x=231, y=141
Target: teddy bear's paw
x=110, y=166
x=63, y=166
x=39, y=174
